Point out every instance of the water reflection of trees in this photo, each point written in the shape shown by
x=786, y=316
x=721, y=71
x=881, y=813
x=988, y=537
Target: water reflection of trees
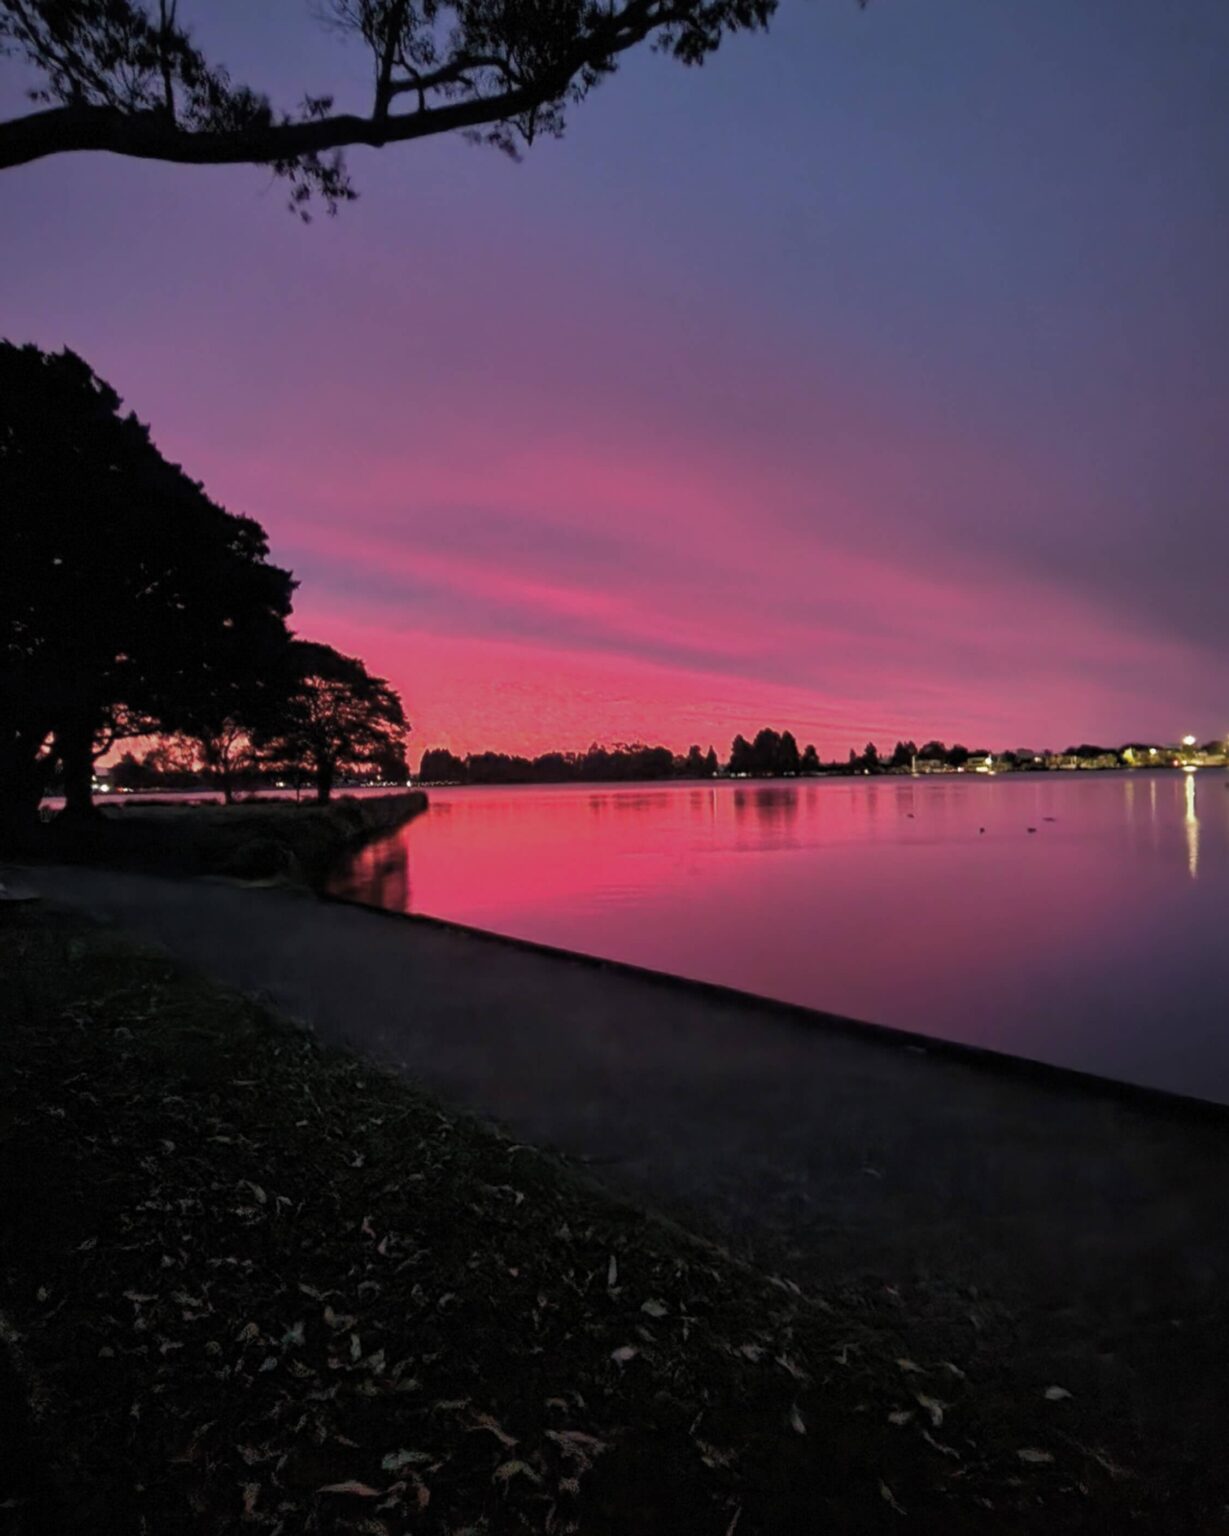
x=380, y=874
x=625, y=801
x=770, y=813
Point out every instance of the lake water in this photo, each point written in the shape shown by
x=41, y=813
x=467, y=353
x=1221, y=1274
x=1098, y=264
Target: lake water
x=1098, y=941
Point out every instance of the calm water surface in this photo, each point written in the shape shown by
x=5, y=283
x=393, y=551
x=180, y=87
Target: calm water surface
x=1097, y=941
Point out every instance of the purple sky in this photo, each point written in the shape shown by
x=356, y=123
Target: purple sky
x=871, y=381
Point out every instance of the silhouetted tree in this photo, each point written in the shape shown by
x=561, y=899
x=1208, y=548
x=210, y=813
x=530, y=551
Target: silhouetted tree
x=238, y=689
x=711, y=766
x=1087, y=750
x=788, y=759
x=765, y=751
x=130, y=773
x=742, y=759
x=440, y=766
x=903, y=754
x=335, y=719
x=120, y=580
x=694, y=765
x=226, y=750
x=958, y=756
x=126, y=77
x=810, y=759
x=934, y=752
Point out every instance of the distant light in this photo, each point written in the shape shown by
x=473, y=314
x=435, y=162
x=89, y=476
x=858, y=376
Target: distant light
x=1189, y=768
x=1188, y=741
x=1152, y=751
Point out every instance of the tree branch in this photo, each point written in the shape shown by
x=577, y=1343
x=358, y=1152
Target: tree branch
x=515, y=80
x=149, y=135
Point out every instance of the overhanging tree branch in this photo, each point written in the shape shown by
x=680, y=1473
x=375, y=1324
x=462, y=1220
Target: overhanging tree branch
x=120, y=79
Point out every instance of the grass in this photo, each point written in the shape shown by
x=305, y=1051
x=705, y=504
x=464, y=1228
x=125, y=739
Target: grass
x=249, y=1284
x=254, y=840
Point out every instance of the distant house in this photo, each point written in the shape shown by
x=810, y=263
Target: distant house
x=1145, y=754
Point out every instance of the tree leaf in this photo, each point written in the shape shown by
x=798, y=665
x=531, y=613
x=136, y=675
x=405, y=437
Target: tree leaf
x=511, y=1469
x=395, y=1460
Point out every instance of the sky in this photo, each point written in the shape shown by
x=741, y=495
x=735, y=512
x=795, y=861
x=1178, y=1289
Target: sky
x=871, y=381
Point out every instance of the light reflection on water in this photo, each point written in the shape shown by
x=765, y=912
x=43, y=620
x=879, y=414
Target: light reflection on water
x=1094, y=940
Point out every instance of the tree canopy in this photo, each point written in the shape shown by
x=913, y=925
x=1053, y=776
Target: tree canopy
x=334, y=718
x=127, y=77
x=127, y=596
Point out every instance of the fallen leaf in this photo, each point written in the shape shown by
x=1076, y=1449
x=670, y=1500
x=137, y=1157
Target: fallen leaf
x=901, y=1416
x=910, y=1365
x=886, y=1494
x=945, y=1450
x=1056, y=1394
x=511, y=1469
x=654, y=1308
x=624, y=1353
x=932, y=1406
x=1033, y=1454
x=612, y=1273
x=395, y=1460
x=359, y=1490
x=795, y=1421
x=485, y=1421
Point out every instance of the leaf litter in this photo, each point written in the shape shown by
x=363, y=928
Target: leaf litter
x=338, y=1296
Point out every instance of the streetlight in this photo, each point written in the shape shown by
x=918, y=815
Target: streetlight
x=1188, y=741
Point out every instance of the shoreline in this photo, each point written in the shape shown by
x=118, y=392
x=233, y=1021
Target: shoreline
x=249, y=840
x=1072, y=1079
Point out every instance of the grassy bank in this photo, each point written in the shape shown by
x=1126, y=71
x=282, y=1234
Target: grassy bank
x=255, y=1285
x=255, y=840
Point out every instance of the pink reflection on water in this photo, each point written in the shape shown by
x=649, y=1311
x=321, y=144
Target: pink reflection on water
x=1093, y=940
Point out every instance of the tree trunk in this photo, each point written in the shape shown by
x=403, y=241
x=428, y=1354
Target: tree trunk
x=324, y=782
x=21, y=789
x=74, y=747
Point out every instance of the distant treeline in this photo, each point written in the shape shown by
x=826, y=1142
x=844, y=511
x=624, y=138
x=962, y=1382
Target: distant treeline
x=635, y=761
x=772, y=754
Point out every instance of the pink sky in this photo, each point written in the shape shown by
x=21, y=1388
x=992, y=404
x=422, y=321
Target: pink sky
x=870, y=382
